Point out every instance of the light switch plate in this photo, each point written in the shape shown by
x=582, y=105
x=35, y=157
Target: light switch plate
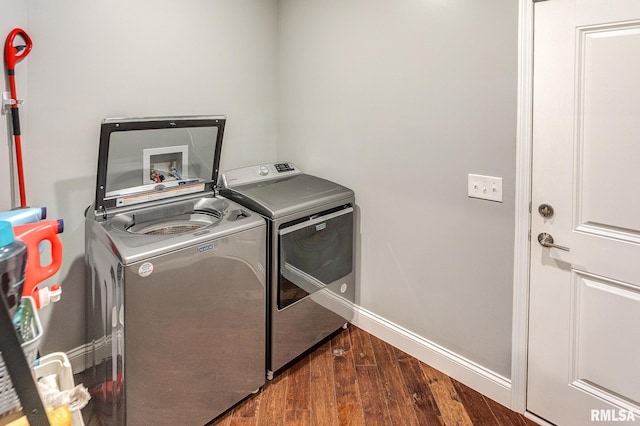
x=485, y=187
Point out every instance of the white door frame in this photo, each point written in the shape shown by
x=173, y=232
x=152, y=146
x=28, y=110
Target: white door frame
x=520, y=321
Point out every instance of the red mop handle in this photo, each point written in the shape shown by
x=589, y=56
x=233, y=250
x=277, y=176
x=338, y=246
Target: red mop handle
x=19, y=168
x=13, y=55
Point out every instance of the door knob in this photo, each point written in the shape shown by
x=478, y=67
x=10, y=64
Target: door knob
x=546, y=240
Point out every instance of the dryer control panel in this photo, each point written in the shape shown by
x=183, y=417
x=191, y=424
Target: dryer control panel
x=261, y=172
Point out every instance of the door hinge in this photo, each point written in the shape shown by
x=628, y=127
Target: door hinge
x=529, y=236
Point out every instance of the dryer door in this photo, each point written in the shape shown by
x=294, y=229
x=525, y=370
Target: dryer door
x=314, y=253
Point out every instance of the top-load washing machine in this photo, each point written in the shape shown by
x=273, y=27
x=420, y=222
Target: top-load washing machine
x=175, y=278
x=311, y=258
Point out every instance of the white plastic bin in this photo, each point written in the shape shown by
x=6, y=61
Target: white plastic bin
x=58, y=363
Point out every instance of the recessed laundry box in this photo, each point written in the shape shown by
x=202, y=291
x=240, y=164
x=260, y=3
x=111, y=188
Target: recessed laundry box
x=176, y=277
x=311, y=256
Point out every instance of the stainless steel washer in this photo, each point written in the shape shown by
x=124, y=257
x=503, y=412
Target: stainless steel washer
x=311, y=257
x=175, y=275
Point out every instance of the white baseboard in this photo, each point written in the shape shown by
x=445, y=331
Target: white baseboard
x=453, y=365
x=537, y=419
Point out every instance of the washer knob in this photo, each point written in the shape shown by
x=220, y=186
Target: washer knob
x=263, y=170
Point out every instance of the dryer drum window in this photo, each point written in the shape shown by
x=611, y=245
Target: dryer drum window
x=314, y=253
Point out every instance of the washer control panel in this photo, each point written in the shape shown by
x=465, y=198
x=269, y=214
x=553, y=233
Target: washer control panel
x=261, y=172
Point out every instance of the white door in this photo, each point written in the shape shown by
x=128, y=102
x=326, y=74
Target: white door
x=584, y=337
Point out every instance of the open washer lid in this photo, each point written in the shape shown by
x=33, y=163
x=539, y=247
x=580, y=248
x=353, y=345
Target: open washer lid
x=148, y=159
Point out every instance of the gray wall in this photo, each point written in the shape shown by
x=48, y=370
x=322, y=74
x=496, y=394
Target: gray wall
x=93, y=60
x=400, y=100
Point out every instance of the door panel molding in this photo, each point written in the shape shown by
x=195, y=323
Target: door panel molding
x=593, y=347
x=607, y=231
x=599, y=208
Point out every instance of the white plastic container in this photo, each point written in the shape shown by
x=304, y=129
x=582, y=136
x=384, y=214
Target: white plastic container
x=58, y=363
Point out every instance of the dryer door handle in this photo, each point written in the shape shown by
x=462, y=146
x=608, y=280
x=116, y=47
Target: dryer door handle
x=315, y=221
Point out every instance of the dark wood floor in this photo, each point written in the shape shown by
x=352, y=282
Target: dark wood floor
x=357, y=379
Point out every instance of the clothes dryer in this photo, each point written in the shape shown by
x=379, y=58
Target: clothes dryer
x=311, y=257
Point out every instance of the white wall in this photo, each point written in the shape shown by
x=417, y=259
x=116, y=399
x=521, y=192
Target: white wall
x=100, y=59
x=14, y=15
x=400, y=101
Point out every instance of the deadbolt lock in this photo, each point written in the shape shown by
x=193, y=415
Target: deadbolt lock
x=545, y=211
